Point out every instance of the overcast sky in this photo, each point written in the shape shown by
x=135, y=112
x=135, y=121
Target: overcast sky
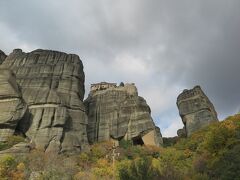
x=161, y=46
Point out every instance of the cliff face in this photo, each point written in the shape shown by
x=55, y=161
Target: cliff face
x=196, y=110
x=12, y=106
x=118, y=112
x=52, y=85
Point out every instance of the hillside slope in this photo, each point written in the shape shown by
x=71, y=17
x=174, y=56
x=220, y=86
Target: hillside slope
x=211, y=153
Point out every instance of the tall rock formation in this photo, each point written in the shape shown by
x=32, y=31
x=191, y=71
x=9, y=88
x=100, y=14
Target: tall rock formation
x=12, y=106
x=52, y=85
x=2, y=56
x=196, y=110
x=118, y=112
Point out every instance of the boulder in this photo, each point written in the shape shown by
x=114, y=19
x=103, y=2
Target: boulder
x=12, y=106
x=52, y=85
x=195, y=109
x=182, y=133
x=118, y=112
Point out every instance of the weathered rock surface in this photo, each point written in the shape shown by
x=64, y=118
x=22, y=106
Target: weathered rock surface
x=2, y=56
x=118, y=112
x=52, y=85
x=12, y=106
x=195, y=109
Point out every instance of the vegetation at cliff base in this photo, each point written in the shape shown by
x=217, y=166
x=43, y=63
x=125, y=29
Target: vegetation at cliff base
x=12, y=140
x=211, y=153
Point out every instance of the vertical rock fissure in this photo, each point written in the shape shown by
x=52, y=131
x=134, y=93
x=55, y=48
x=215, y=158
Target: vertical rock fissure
x=40, y=120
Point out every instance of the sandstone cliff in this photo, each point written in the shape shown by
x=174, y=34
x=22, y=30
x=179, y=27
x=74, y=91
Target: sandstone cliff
x=52, y=85
x=196, y=110
x=118, y=112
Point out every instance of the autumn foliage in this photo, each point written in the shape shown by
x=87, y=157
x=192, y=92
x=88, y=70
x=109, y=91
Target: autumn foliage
x=211, y=153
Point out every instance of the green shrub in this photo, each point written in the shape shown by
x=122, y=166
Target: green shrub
x=175, y=164
x=54, y=175
x=7, y=164
x=103, y=169
x=12, y=140
x=227, y=166
x=199, y=176
x=125, y=144
x=123, y=170
x=7, y=161
x=99, y=150
x=138, y=169
x=200, y=163
x=3, y=146
x=170, y=141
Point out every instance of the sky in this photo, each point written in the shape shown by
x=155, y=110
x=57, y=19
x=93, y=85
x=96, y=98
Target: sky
x=163, y=46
